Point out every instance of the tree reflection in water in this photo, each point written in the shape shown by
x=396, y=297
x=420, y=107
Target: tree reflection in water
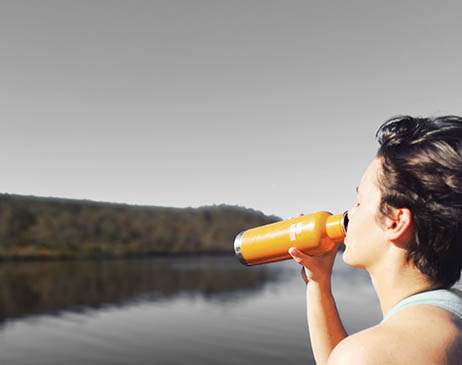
x=31, y=288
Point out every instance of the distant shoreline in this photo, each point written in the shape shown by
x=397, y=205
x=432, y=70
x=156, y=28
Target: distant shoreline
x=39, y=228
x=36, y=258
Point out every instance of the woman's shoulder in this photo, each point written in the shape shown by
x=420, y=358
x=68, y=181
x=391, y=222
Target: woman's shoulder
x=418, y=334
x=431, y=333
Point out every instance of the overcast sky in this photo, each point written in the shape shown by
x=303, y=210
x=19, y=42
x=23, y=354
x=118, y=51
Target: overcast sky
x=271, y=105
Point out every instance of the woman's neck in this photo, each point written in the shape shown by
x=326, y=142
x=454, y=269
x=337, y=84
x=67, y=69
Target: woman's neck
x=395, y=281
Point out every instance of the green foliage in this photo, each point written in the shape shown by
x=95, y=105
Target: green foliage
x=49, y=227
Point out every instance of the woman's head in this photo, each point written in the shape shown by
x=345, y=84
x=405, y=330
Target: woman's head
x=421, y=170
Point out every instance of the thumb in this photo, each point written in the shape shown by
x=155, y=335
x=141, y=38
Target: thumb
x=299, y=256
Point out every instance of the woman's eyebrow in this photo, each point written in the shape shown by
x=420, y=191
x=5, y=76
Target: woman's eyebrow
x=357, y=190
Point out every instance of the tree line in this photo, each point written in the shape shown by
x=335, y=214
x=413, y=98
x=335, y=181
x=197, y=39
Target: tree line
x=35, y=227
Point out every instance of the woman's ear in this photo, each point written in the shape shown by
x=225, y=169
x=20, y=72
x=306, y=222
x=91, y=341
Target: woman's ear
x=398, y=227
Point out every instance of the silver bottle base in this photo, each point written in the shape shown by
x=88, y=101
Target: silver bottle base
x=237, y=248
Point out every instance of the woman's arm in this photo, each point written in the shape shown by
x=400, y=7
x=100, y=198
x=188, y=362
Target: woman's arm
x=326, y=329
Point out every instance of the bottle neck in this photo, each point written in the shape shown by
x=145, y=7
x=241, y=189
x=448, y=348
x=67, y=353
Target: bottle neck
x=336, y=227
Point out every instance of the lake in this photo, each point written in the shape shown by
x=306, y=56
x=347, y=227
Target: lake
x=185, y=310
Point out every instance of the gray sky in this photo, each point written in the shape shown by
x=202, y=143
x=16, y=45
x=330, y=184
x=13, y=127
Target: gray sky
x=266, y=104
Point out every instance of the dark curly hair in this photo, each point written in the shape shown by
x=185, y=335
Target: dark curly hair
x=422, y=171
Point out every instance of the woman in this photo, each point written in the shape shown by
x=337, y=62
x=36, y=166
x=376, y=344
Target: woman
x=406, y=231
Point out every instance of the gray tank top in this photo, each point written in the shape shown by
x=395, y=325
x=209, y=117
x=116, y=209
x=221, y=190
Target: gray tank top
x=448, y=299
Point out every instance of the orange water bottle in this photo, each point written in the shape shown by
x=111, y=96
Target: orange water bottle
x=314, y=234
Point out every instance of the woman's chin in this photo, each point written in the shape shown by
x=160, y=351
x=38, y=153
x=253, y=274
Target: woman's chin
x=349, y=260
x=345, y=255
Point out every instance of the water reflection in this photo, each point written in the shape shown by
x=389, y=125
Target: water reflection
x=28, y=288
x=206, y=310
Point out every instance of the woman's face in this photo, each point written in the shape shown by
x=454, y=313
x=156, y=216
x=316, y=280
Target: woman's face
x=364, y=242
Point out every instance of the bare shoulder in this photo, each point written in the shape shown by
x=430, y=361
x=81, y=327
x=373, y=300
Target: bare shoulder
x=423, y=335
x=365, y=347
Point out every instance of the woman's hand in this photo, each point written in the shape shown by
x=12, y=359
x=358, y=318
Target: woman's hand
x=316, y=269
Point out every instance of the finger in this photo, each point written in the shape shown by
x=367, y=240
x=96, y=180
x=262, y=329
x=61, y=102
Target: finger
x=304, y=277
x=298, y=215
x=334, y=250
x=299, y=256
x=296, y=254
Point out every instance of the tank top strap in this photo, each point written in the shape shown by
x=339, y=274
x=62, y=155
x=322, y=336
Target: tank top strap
x=448, y=299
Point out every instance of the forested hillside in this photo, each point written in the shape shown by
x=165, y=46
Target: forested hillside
x=32, y=227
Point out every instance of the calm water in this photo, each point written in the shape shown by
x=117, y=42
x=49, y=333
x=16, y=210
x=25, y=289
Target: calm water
x=206, y=310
